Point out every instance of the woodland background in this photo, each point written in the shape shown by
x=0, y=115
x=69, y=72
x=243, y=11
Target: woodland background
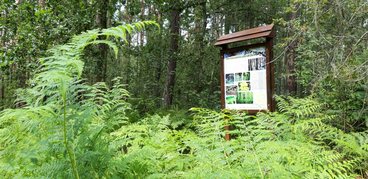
x=320, y=56
x=319, y=44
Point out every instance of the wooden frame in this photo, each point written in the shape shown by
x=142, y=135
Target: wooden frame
x=266, y=32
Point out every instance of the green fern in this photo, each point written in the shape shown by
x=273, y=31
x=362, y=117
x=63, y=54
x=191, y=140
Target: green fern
x=63, y=129
x=68, y=129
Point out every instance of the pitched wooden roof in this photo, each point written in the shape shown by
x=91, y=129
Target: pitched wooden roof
x=258, y=32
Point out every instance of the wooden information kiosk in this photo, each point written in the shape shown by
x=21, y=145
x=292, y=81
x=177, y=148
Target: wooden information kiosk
x=247, y=71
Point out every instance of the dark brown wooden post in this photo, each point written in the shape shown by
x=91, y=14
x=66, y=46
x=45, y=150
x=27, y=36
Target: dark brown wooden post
x=227, y=127
x=222, y=82
x=227, y=133
x=271, y=73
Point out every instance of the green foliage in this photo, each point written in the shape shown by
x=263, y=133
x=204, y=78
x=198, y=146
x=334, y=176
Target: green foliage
x=67, y=128
x=27, y=31
x=297, y=143
x=268, y=146
x=64, y=126
x=331, y=55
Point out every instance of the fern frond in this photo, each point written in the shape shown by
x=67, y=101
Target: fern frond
x=61, y=115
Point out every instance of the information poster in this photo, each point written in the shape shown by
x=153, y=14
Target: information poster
x=245, y=80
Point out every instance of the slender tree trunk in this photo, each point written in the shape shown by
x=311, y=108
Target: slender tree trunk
x=142, y=18
x=173, y=50
x=126, y=16
x=290, y=57
x=2, y=89
x=290, y=69
x=227, y=23
x=101, y=22
x=2, y=93
x=204, y=19
x=3, y=34
x=159, y=61
x=200, y=32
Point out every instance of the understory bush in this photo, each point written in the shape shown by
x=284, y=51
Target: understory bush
x=65, y=128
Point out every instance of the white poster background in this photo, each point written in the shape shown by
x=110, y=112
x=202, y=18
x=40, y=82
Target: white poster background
x=239, y=64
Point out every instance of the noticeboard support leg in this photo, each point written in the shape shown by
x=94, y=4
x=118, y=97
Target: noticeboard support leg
x=227, y=133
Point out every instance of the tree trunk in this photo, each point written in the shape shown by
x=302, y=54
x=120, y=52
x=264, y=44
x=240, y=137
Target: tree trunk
x=2, y=90
x=173, y=50
x=158, y=90
x=200, y=32
x=126, y=16
x=291, y=56
x=141, y=35
x=227, y=23
x=290, y=68
x=3, y=34
x=101, y=22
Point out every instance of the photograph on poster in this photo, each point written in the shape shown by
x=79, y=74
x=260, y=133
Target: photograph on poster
x=230, y=78
x=256, y=64
x=231, y=90
x=261, y=63
x=259, y=51
x=238, y=77
x=246, y=76
x=255, y=51
x=244, y=98
x=247, y=53
x=244, y=86
x=230, y=100
x=252, y=64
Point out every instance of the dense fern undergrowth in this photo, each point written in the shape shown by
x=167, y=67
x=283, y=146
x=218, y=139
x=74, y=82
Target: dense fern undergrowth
x=65, y=128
